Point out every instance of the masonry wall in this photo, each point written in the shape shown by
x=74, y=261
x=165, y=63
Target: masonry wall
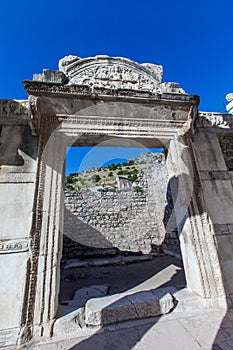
x=131, y=220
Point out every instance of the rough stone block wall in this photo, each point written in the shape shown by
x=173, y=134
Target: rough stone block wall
x=130, y=220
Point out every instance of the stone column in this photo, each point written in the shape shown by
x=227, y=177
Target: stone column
x=203, y=274
x=218, y=194
x=50, y=210
x=42, y=282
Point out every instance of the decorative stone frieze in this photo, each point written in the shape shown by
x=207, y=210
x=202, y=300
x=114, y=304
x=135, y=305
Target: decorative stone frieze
x=12, y=109
x=211, y=119
x=113, y=73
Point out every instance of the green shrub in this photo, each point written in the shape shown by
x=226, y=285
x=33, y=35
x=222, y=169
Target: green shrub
x=132, y=177
x=70, y=180
x=138, y=189
x=113, y=167
x=96, y=178
x=122, y=172
x=69, y=187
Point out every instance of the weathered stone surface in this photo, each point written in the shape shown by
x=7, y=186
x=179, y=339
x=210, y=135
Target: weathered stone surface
x=122, y=307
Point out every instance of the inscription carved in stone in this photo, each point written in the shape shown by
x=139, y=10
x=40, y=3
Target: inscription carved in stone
x=13, y=246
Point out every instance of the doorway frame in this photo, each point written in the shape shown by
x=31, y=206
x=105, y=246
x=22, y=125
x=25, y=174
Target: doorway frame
x=64, y=120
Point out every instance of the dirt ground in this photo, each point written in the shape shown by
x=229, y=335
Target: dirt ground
x=156, y=273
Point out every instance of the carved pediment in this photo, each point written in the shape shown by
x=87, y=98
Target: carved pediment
x=103, y=72
x=111, y=72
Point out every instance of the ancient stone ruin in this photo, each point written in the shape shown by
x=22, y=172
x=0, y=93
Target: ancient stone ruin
x=113, y=217
x=122, y=103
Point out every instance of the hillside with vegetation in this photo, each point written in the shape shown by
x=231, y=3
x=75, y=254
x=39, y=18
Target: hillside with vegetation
x=106, y=176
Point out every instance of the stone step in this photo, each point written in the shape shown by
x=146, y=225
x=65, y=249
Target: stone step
x=78, y=314
x=119, y=260
x=124, y=307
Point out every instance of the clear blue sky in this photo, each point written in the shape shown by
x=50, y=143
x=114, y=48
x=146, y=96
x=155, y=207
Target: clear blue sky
x=191, y=39
x=82, y=158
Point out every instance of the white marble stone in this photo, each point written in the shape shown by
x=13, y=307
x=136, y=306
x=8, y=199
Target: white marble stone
x=122, y=307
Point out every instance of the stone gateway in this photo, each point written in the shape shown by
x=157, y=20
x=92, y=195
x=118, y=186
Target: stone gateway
x=85, y=102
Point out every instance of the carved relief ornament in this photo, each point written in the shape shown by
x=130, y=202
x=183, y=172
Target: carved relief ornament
x=209, y=119
x=15, y=109
x=110, y=72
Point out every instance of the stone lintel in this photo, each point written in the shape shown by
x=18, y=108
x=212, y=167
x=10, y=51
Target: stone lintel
x=41, y=88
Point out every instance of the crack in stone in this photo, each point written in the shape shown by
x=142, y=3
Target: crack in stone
x=134, y=307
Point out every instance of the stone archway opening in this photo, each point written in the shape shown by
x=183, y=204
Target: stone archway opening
x=120, y=233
